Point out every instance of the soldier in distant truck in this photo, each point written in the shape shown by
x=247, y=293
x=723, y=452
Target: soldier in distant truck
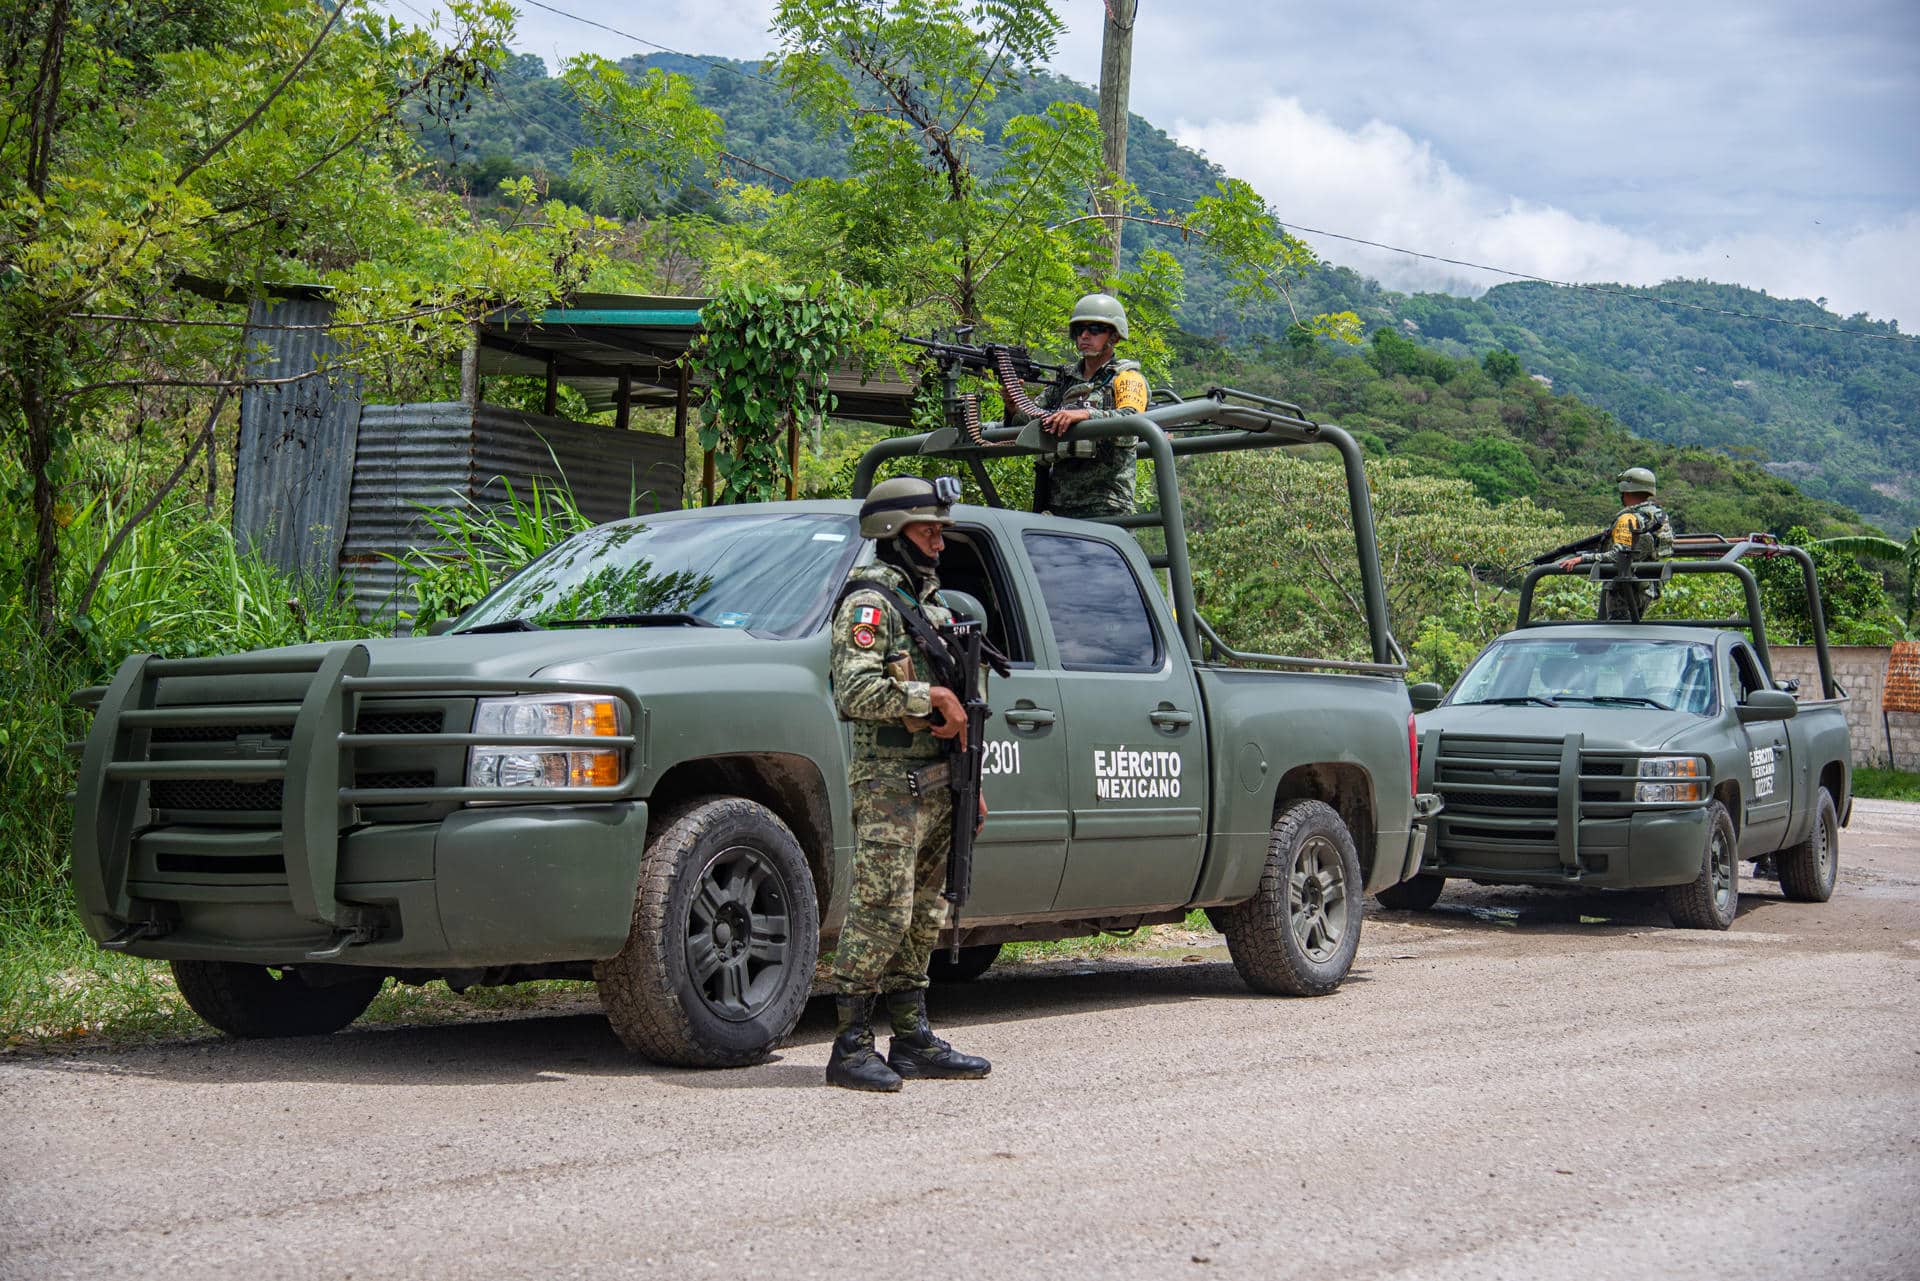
x=1638, y=532
x=1092, y=477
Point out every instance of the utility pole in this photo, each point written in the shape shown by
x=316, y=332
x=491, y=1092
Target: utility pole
x=1116, y=67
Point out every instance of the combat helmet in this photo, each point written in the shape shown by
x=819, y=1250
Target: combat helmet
x=1102, y=309
x=1635, y=480
x=900, y=501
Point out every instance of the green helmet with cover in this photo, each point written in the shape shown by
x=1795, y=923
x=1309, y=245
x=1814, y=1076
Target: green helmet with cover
x=1636, y=480
x=900, y=501
x=1102, y=309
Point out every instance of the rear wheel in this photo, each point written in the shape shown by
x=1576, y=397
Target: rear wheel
x=1298, y=934
x=254, y=1001
x=1808, y=869
x=1710, y=900
x=973, y=962
x=1416, y=895
x=720, y=956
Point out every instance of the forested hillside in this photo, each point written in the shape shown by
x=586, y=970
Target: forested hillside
x=1832, y=411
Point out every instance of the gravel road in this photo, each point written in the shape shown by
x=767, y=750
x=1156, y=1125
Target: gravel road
x=1514, y=1085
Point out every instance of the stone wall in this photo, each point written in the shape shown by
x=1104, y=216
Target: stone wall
x=1862, y=672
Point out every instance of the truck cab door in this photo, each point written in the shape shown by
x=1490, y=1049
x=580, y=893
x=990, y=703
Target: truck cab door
x=1766, y=790
x=1136, y=738
x=1020, y=853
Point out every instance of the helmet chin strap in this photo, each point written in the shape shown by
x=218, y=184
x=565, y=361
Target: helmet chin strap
x=901, y=553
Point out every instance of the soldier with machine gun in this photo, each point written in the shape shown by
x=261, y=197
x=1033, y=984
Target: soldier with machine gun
x=907, y=676
x=1080, y=478
x=1638, y=533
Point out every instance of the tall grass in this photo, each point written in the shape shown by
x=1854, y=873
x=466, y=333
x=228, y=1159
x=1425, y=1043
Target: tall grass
x=475, y=548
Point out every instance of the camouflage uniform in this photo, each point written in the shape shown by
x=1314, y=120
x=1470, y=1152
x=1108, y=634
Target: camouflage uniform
x=881, y=683
x=1645, y=529
x=1095, y=477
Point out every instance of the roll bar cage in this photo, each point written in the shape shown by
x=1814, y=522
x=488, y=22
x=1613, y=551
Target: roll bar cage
x=1220, y=420
x=1704, y=554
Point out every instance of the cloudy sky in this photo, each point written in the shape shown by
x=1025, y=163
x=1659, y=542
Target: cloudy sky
x=1769, y=143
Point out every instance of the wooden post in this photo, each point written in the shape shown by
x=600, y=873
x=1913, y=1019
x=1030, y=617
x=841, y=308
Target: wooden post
x=793, y=456
x=470, y=371
x=623, y=400
x=1116, y=67
x=553, y=388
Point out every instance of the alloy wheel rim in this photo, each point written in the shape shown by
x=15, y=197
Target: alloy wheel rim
x=1317, y=899
x=737, y=941
x=1722, y=875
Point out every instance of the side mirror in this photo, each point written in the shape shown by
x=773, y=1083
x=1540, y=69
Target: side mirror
x=1426, y=696
x=1767, y=705
x=441, y=626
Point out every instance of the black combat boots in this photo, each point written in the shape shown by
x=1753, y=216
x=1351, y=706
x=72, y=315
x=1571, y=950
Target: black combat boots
x=917, y=1052
x=853, y=1064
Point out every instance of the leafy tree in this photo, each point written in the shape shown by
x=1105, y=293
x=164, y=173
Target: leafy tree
x=1497, y=468
x=246, y=143
x=1874, y=547
x=1501, y=365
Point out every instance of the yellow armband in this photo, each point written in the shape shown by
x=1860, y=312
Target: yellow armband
x=1624, y=529
x=1130, y=391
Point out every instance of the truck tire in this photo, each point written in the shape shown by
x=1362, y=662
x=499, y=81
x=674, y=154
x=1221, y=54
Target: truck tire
x=720, y=956
x=1416, y=895
x=973, y=962
x=1808, y=869
x=1710, y=900
x=253, y=1001
x=1297, y=935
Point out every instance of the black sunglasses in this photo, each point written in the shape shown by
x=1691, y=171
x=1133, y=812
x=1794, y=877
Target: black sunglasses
x=1079, y=327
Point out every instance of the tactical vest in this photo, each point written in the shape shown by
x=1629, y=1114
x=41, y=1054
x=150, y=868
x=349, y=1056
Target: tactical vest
x=1646, y=528
x=1073, y=392
x=878, y=743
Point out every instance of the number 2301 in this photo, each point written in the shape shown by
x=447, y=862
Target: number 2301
x=1002, y=757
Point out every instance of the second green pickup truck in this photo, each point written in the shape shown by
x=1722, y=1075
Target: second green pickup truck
x=1649, y=755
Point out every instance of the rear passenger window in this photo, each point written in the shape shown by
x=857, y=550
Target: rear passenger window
x=1100, y=620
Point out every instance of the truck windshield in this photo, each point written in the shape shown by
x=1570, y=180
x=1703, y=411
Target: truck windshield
x=1591, y=671
x=774, y=574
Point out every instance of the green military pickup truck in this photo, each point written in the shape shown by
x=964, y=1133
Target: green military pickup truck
x=1656, y=754
x=625, y=765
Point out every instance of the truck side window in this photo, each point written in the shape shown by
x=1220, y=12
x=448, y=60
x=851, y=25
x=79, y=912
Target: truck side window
x=1747, y=674
x=972, y=564
x=1099, y=617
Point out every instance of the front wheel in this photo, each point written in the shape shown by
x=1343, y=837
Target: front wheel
x=720, y=955
x=254, y=1001
x=1808, y=869
x=1710, y=900
x=1298, y=934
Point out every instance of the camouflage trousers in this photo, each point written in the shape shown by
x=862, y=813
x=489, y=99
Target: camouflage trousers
x=895, y=911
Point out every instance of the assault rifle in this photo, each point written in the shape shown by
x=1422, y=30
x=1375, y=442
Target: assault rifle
x=966, y=649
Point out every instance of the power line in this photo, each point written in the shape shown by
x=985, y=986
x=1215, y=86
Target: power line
x=653, y=44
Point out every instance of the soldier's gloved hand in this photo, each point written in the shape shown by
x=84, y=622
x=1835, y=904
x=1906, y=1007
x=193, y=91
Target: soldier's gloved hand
x=953, y=717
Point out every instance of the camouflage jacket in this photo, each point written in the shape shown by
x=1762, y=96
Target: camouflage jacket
x=1645, y=528
x=1095, y=477
x=881, y=680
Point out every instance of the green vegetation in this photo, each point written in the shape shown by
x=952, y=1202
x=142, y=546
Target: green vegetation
x=1886, y=784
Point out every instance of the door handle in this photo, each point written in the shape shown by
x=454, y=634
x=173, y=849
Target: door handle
x=1170, y=717
x=1030, y=717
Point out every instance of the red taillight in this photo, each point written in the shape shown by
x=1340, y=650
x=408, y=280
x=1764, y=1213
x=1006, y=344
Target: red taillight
x=1413, y=757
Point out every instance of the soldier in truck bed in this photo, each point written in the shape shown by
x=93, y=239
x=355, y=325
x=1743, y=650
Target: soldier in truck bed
x=1092, y=477
x=1641, y=529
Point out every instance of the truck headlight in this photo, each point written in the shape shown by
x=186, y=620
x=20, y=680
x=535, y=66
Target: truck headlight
x=1681, y=778
x=538, y=765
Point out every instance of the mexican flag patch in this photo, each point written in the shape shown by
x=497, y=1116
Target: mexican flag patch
x=869, y=616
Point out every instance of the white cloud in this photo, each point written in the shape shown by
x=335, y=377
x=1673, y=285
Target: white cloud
x=1377, y=182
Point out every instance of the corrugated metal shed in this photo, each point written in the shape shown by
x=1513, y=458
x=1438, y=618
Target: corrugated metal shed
x=450, y=455
x=294, y=465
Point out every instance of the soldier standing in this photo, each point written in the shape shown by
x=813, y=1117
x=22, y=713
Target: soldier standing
x=902, y=810
x=1092, y=477
x=1640, y=531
